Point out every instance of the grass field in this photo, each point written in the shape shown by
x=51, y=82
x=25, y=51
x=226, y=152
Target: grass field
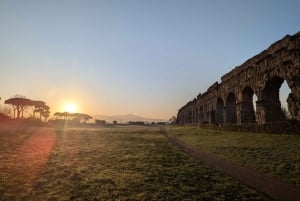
x=126, y=163
x=273, y=154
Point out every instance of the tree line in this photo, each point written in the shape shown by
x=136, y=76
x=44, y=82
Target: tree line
x=20, y=103
x=73, y=116
x=40, y=109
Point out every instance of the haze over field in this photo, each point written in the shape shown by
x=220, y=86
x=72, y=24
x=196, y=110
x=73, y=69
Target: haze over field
x=142, y=57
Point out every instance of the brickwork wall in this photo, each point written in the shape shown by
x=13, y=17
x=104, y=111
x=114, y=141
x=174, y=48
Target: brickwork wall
x=231, y=101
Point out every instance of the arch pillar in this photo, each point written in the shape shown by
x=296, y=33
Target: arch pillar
x=220, y=111
x=201, y=115
x=294, y=106
x=212, y=116
x=260, y=112
x=293, y=99
x=239, y=112
x=231, y=109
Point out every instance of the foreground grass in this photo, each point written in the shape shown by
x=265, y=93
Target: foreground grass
x=273, y=154
x=131, y=163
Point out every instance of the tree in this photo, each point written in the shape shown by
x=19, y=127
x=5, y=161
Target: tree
x=58, y=114
x=37, y=106
x=63, y=115
x=43, y=110
x=66, y=115
x=19, y=104
x=84, y=117
x=46, y=114
x=173, y=120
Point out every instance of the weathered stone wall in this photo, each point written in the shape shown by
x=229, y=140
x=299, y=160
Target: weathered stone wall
x=231, y=101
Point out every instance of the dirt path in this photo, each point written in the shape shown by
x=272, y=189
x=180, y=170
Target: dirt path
x=267, y=185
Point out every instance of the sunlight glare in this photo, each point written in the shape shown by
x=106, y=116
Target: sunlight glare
x=70, y=107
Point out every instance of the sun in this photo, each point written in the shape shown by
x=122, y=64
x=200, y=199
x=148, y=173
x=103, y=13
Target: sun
x=70, y=107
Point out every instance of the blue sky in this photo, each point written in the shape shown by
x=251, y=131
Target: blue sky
x=143, y=57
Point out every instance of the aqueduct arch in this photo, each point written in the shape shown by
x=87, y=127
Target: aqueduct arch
x=247, y=108
x=231, y=101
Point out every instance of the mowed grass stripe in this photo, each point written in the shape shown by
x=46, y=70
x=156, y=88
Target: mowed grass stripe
x=131, y=163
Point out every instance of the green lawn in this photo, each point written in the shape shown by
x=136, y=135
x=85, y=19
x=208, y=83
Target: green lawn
x=128, y=163
x=274, y=154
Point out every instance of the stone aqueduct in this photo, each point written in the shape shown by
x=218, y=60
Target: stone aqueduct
x=231, y=101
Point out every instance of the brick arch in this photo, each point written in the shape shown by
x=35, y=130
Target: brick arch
x=247, y=108
x=230, y=108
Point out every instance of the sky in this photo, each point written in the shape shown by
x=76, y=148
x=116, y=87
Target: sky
x=144, y=57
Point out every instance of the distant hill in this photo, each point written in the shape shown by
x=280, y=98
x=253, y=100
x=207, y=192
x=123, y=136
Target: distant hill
x=126, y=118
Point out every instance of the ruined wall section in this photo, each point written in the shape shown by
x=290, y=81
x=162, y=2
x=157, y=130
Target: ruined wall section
x=262, y=75
x=206, y=105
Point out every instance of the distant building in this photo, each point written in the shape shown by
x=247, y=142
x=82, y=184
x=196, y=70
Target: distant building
x=136, y=123
x=100, y=122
